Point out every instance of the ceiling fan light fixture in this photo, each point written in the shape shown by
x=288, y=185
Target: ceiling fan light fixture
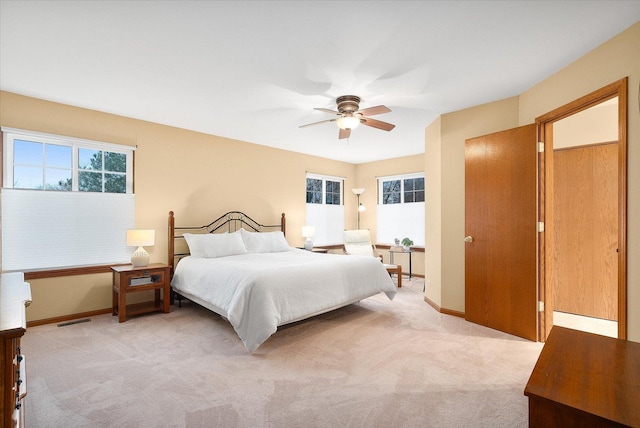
x=347, y=122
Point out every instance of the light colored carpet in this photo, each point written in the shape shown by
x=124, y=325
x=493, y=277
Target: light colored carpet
x=378, y=363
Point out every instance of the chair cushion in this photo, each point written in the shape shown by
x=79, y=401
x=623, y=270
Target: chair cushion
x=358, y=242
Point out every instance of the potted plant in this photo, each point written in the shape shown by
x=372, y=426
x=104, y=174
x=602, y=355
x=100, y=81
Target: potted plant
x=406, y=243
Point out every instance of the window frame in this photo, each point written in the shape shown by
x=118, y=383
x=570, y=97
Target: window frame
x=11, y=134
x=401, y=178
x=324, y=179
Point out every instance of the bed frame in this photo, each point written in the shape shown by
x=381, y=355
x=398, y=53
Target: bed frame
x=228, y=222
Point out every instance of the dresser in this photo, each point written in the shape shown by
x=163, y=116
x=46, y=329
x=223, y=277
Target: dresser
x=15, y=296
x=585, y=380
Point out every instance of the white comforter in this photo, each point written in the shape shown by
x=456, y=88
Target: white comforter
x=257, y=292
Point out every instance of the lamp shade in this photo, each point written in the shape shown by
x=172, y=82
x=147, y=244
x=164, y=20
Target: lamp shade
x=141, y=237
x=308, y=231
x=359, y=191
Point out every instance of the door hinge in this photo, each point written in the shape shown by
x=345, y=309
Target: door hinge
x=541, y=226
x=540, y=306
x=540, y=147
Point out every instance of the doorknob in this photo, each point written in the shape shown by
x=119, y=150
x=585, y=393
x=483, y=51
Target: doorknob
x=468, y=239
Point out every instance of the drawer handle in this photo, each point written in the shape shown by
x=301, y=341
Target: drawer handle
x=22, y=379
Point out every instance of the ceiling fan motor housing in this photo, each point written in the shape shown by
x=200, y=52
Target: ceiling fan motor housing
x=348, y=104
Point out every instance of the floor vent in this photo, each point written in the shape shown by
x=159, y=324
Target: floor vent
x=64, y=324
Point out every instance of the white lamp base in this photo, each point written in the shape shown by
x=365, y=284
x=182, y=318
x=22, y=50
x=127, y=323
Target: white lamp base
x=140, y=257
x=308, y=244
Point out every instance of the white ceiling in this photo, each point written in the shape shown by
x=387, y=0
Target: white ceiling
x=254, y=70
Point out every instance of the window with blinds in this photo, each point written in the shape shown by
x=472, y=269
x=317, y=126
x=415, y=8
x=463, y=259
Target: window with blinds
x=66, y=202
x=400, y=210
x=325, y=208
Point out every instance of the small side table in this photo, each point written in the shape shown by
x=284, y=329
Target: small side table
x=129, y=279
x=399, y=250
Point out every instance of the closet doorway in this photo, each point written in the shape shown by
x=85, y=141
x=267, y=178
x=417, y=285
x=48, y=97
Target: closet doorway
x=583, y=207
x=585, y=168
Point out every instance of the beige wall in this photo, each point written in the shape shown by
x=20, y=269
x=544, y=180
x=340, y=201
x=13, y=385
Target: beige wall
x=366, y=177
x=615, y=59
x=197, y=176
x=598, y=124
x=433, y=167
x=444, y=163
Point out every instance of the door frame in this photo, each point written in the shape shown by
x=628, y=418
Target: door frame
x=544, y=126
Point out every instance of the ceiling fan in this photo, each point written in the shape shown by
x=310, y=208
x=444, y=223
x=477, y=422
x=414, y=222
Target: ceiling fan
x=349, y=117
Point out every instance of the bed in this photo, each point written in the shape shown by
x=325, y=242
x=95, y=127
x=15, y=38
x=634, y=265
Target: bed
x=247, y=273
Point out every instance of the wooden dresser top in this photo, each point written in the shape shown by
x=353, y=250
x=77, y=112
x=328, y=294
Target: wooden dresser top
x=588, y=372
x=14, y=295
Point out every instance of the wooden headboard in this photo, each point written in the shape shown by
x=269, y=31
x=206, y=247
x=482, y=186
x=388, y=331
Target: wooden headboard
x=228, y=222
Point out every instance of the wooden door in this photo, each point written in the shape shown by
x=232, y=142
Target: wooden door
x=586, y=231
x=501, y=223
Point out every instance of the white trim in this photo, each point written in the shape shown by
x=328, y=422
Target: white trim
x=60, y=139
x=401, y=176
x=324, y=177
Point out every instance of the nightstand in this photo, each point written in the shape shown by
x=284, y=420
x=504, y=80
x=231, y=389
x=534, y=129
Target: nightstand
x=317, y=250
x=129, y=279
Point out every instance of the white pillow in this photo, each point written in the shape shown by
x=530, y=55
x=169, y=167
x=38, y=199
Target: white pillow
x=264, y=242
x=212, y=245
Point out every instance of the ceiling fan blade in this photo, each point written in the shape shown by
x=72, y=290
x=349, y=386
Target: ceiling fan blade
x=317, y=123
x=372, y=111
x=377, y=124
x=344, y=133
x=326, y=110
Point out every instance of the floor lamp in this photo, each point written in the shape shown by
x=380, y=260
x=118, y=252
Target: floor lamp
x=361, y=207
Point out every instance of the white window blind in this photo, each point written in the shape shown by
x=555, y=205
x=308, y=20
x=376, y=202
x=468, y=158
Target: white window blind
x=328, y=221
x=62, y=229
x=401, y=221
x=403, y=218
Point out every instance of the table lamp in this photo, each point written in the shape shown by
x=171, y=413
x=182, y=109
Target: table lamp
x=308, y=232
x=140, y=238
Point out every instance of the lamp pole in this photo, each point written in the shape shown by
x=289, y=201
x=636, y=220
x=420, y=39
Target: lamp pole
x=360, y=207
x=358, y=195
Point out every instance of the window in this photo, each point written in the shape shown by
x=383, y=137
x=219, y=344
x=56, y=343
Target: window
x=403, y=191
x=391, y=193
x=65, y=201
x=41, y=166
x=324, y=191
x=325, y=209
x=50, y=162
x=400, y=210
x=413, y=190
x=101, y=171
